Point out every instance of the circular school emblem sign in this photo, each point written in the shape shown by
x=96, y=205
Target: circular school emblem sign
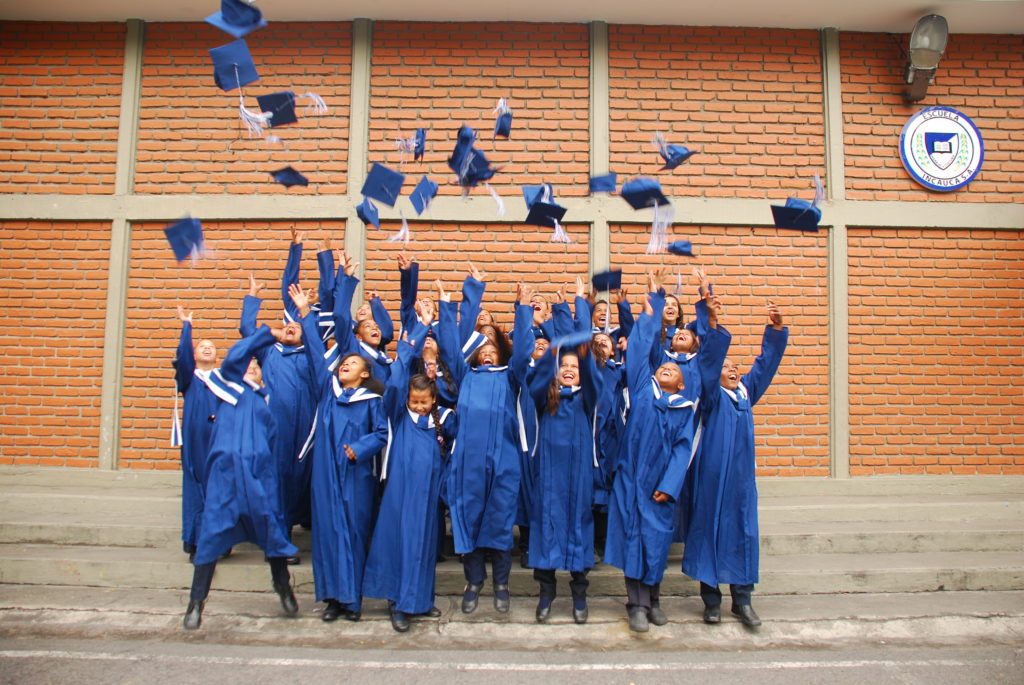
x=941, y=148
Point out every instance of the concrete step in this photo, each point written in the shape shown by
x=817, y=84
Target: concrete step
x=784, y=574
x=826, y=621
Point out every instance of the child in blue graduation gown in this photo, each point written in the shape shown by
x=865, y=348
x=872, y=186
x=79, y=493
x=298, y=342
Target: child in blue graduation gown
x=561, y=517
x=241, y=482
x=192, y=368
x=483, y=474
x=403, y=553
x=609, y=430
x=722, y=535
x=366, y=338
x=351, y=431
x=651, y=469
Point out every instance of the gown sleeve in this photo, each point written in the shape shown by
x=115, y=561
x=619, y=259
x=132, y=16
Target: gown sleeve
x=470, y=307
x=320, y=372
x=236, y=362
x=290, y=276
x=247, y=326
x=184, y=359
x=540, y=378
x=383, y=319
x=523, y=343
x=368, y=445
x=626, y=320
x=409, y=280
x=714, y=346
x=448, y=343
x=773, y=346
x=344, y=289
x=638, y=358
x=396, y=395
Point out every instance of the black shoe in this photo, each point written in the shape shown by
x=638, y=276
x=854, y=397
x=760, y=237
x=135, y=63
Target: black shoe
x=543, y=610
x=502, y=599
x=638, y=620
x=400, y=621
x=580, y=615
x=188, y=549
x=712, y=614
x=331, y=612
x=288, y=603
x=193, y=615
x=470, y=598
x=351, y=615
x=747, y=615
x=656, y=616
x=433, y=613
x=293, y=561
x=524, y=560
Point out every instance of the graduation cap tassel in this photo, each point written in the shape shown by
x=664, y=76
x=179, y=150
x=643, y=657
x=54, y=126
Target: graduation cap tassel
x=663, y=218
x=560, y=235
x=317, y=106
x=403, y=235
x=254, y=121
x=176, y=440
x=662, y=144
x=819, y=191
x=497, y=199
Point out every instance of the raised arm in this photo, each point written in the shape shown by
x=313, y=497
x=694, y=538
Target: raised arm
x=366, y=446
x=540, y=377
x=185, y=358
x=313, y=346
x=325, y=265
x=409, y=278
x=250, y=308
x=236, y=362
x=344, y=290
x=773, y=346
x=472, y=298
x=638, y=361
x=626, y=320
x=714, y=345
x=523, y=340
x=448, y=338
x=290, y=275
x=396, y=396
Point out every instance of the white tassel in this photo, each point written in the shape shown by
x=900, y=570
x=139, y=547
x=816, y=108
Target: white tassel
x=254, y=121
x=663, y=218
x=819, y=191
x=502, y=107
x=176, y=423
x=403, y=235
x=560, y=236
x=497, y=198
x=662, y=145
x=317, y=106
x=679, y=282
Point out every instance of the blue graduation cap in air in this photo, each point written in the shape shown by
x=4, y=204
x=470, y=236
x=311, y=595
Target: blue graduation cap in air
x=533, y=194
x=681, y=248
x=281, y=106
x=367, y=211
x=468, y=163
x=185, y=238
x=383, y=184
x=545, y=214
x=503, y=123
x=422, y=194
x=603, y=184
x=233, y=66
x=798, y=214
x=289, y=177
x=643, y=192
x=607, y=280
x=237, y=18
x=420, y=145
x=674, y=155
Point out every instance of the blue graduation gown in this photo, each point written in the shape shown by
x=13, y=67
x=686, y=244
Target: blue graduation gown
x=483, y=475
x=198, y=414
x=287, y=374
x=241, y=482
x=610, y=429
x=403, y=552
x=561, y=512
x=654, y=456
x=343, y=492
x=722, y=537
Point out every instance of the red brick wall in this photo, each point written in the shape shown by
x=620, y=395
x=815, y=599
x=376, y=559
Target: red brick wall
x=981, y=76
x=440, y=76
x=213, y=290
x=191, y=139
x=936, y=323
x=53, y=287
x=749, y=100
x=60, y=98
x=747, y=267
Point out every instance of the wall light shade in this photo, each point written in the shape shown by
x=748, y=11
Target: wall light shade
x=927, y=45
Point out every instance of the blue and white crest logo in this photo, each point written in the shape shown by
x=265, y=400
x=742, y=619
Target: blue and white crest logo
x=941, y=148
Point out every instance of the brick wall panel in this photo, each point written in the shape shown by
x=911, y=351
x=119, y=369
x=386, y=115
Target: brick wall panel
x=213, y=290
x=980, y=76
x=53, y=283
x=747, y=267
x=936, y=359
x=60, y=98
x=191, y=139
x=440, y=76
x=749, y=100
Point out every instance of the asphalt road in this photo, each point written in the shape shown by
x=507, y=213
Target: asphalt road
x=37, y=662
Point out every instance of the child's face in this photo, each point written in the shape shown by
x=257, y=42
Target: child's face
x=487, y=355
x=364, y=312
x=254, y=373
x=569, y=371
x=671, y=311
x=429, y=310
x=484, y=319
x=352, y=371
x=206, y=352
x=730, y=375
x=602, y=347
x=421, y=402
x=292, y=334
x=541, y=308
x=429, y=347
x=600, y=318
x=684, y=341
x=540, y=347
x=669, y=377
x=489, y=332
x=369, y=332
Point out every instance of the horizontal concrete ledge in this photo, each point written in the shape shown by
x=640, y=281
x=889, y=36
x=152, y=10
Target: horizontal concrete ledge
x=479, y=207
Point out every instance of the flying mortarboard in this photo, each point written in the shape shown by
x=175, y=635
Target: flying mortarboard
x=674, y=155
x=185, y=238
x=468, y=163
x=424, y=192
x=646, y=192
x=233, y=66
x=544, y=212
x=682, y=248
x=420, y=146
x=532, y=194
x=237, y=18
x=289, y=177
x=367, y=211
x=280, y=106
x=603, y=184
x=798, y=214
x=607, y=280
x=383, y=184
x=503, y=124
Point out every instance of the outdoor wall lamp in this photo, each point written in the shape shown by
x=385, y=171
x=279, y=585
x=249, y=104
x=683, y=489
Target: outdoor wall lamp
x=927, y=44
